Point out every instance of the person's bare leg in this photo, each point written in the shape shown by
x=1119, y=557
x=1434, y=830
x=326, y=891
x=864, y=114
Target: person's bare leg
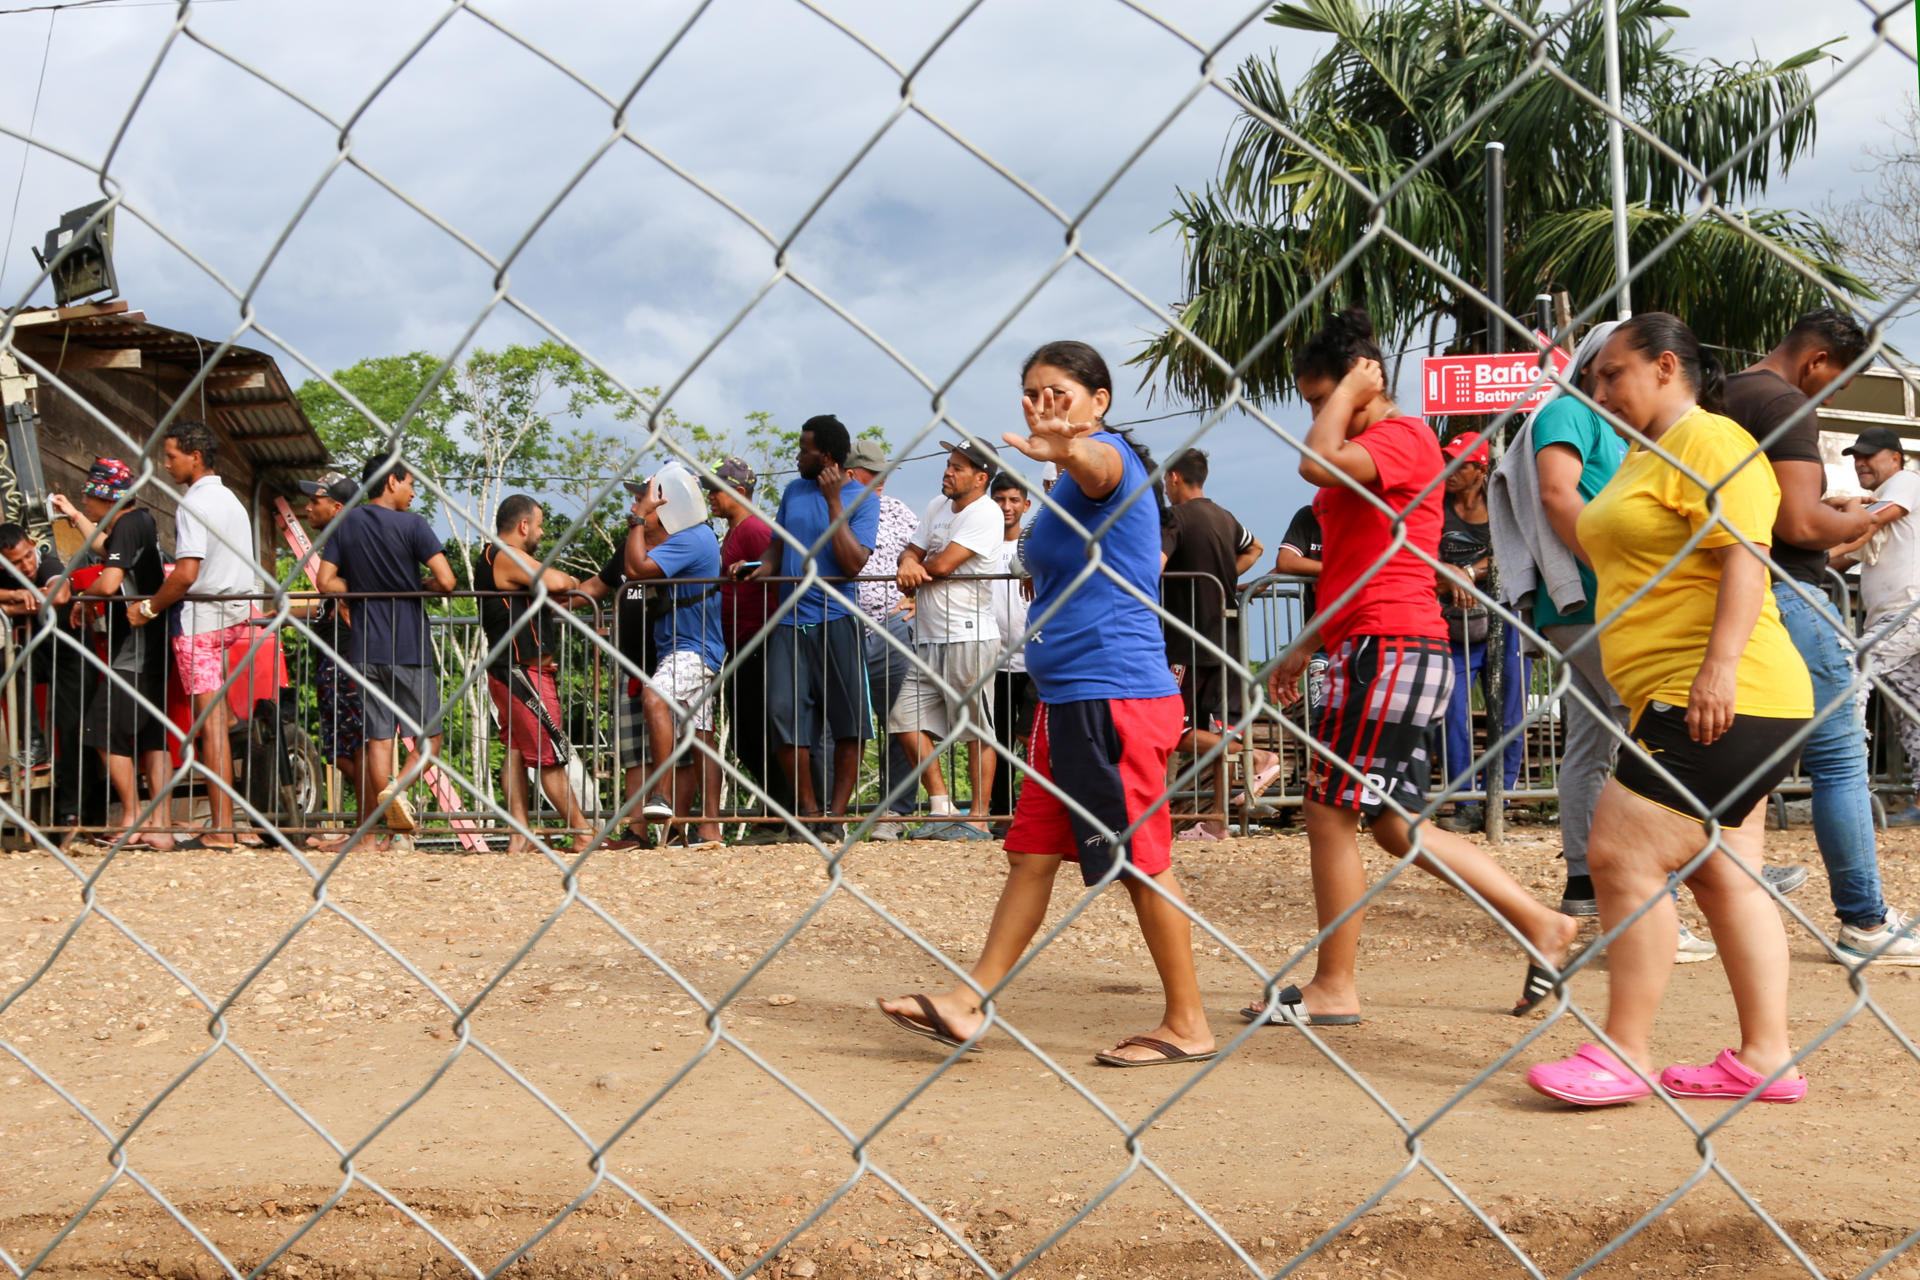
x=159, y=824
x=846, y=773
x=513, y=787
x=559, y=791
x=1169, y=936
x=710, y=785
x=216, y=755
x=921, y=755
x=121, y=774
x=796, y=763
x=661, y=739
x=1753, y=944
x=980, y=765
x=1550, y=932
x=1339, y=879
x=1632, y=847
x=1017, y=916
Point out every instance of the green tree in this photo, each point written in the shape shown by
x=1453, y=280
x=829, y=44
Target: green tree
x=1401, y=77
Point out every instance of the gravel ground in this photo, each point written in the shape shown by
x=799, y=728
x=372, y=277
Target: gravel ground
x=487, y=1128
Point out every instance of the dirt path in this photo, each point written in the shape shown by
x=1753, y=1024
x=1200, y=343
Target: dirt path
x=1275, y=1143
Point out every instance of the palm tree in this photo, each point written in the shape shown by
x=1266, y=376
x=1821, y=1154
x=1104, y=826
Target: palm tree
x=1403, y=76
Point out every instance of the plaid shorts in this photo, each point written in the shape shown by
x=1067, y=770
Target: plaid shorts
x=1383, y=694
x=630, y=729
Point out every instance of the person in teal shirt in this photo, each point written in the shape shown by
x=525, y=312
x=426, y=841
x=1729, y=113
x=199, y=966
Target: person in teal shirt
x=1575, y=452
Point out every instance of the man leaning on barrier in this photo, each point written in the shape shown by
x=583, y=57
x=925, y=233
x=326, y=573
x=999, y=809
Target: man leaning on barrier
x=126, y=716
x=1202, y=537
x=381, y=548
x=955, y=635
x=1014, y=701
x=744, y=610
x=336, y=692
x=816, y=665
x=211, y=538
x=520, y=679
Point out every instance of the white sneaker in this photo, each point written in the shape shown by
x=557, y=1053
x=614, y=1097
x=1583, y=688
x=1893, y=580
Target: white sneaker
x=1694, y=948
x=400, y=815
x=1897, y=933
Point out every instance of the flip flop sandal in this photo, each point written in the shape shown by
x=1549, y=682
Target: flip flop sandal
x=1259, y=783
x=1169, y=1054
x=934, y=1028
x=1538, y=987
x=1728, y=1077
x=1592, y=1077
x=1290, y=995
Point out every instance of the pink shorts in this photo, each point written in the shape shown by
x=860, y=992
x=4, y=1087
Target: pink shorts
x=202, y=659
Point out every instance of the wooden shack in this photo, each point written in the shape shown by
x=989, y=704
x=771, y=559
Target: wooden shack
x=67, y=364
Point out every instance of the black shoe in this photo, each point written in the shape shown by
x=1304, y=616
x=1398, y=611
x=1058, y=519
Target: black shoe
x=657, y=808
x=1577, y=899
x=1465, y=818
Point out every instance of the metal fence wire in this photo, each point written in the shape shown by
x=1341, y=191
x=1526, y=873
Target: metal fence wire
x=101, y=924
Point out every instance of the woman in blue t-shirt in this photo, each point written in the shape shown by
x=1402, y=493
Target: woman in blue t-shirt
x=1109, y=715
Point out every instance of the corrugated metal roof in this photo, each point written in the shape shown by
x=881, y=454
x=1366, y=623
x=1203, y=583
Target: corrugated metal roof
x=247, y=397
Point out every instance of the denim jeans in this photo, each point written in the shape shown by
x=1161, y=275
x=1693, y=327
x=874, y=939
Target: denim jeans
x=1834, y=758
x=1470, y=661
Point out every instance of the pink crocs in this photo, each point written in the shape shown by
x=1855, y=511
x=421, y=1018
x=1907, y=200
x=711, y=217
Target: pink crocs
x=1590, y=1078
x=1728, y=1077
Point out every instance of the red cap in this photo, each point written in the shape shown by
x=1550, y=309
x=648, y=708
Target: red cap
x=1472, y=444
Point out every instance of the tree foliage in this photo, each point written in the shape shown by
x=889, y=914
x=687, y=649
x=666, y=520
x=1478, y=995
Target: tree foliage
x=1879, y=231
x=1401, y=76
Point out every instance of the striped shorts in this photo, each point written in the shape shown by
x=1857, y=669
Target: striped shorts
x=1384, y=694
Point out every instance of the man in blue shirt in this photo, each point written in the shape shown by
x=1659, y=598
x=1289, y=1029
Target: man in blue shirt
x=690, y=648
x=381, y=548
x=816, y=664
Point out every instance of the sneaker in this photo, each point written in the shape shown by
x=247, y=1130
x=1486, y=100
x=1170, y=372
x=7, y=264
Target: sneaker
x=657, y=808
x=1897, y=933
x=1907, y=817
x=400, y=814
x=885, y=831
x=1464, y=818
x=1694, y=948
x=1784, y=879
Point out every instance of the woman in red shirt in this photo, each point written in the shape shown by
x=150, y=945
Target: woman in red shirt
x=1391, y=671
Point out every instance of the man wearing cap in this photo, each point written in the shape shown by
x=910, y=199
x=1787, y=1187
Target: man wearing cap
x=342, y=732
x=744, y=610
x=56, y=664
x=378, y=551
x=1889, y=560
x=955, y=636
x=126, y=717
x=212, y=574
x=1466, y=549
x=816, y=667
x=891, y=612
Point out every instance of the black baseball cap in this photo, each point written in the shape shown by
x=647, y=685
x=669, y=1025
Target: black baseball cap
x=981, y=458
x=1873, y=440
x=331, y=484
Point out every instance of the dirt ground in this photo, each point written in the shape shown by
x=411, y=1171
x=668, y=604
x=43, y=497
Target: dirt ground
x=588, y=1041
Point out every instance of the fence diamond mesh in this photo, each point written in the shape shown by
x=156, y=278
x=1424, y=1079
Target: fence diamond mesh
x=615, y=1046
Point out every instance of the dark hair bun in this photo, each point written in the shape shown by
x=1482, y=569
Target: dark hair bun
x=1353, y=324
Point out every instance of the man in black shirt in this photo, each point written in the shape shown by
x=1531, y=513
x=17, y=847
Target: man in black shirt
x=521, y=636
x=1779, y=392
x=1202, y=538
x=1299, y=556
x=632, y=636
x=126, y=717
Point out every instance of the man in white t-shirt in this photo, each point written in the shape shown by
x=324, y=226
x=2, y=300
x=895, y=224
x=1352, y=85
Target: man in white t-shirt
x=213, y=558
x=1889, y=560
x=955, y=635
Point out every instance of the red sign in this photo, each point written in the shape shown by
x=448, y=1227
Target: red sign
x=1486, y=384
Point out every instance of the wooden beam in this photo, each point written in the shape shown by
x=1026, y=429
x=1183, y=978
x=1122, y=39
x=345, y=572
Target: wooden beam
x=75, y=358
x=115, y=310
x=239, y=380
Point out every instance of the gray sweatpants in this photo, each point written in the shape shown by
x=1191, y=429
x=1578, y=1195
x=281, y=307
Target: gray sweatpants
x=1586, y=755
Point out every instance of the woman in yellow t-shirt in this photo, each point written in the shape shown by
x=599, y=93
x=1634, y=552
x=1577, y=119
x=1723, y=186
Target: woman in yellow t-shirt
x=1718, y=696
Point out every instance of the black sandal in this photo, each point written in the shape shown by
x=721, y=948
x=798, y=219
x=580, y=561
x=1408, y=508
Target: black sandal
x=1538, y=987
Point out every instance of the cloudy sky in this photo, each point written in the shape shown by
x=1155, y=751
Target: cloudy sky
x=765, y=103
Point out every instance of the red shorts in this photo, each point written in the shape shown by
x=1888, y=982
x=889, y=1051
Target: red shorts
x=1110, y=755
x=527, y=704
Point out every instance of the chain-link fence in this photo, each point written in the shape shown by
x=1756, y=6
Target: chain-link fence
x=260, y=1019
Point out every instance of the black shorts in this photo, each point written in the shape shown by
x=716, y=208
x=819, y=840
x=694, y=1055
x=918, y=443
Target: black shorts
x=116, y=722
x=1707, y=773
x=817, y=673
x=1383, y=693
x=1212, y=700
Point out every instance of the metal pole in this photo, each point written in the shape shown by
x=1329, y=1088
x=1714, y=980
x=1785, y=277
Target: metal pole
x=1496, y=628
x=1543, y=313
x=1617, y=159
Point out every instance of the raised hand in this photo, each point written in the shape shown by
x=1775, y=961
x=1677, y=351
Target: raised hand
x=1364, y=381
x=1049, y=436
